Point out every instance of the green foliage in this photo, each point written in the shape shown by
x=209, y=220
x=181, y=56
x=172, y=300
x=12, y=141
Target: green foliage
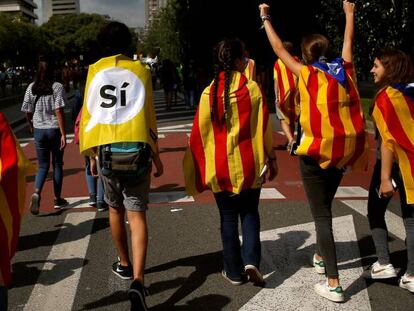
x=378, y=23
x=73, y=35
x=164, y=32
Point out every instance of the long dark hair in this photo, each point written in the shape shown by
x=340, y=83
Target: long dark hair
x=114, y=38
x=225, y=54
x=44, y=78
x=398, y=67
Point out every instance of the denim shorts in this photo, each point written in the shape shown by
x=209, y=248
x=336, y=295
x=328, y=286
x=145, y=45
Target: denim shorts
x=129, y=192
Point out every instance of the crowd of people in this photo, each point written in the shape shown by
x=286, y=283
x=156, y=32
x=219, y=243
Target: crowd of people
x=230, y=150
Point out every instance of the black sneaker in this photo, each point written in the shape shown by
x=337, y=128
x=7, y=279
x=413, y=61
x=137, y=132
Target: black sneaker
x=92, y=200
x=123, y=272
x=101, y=206
x=59, y=203
x=137, y=295
x=34, y=203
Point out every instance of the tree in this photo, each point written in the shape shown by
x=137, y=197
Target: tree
x=379, y=23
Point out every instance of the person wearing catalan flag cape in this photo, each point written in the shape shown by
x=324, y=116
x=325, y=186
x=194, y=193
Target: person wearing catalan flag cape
x=286, y=97
x=14, y=167
x=230, y=153
x=118, y=127
x=333, y=136
x=393, y=115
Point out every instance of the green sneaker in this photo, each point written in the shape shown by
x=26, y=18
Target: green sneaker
x=319, y=265
x=335, y=294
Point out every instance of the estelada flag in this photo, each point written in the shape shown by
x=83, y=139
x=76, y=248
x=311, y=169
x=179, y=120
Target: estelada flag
x=287, y=92
x=332, y=120
x=393, y=114
x=228, y=155
x=250, y=70
x=117, y=104
x=14, y=167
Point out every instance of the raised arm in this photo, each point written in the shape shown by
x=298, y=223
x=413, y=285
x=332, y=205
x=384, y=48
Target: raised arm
x=276, y=43
x=349, y=10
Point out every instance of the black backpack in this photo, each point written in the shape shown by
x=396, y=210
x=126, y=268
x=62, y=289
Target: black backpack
x=125, y=159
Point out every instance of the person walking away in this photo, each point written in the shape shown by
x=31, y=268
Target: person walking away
x=393, y=114
x=329, y=142
x=43, y=104
x=287, y=97
x=225, y=156
x=118, y=126
x=14, y=167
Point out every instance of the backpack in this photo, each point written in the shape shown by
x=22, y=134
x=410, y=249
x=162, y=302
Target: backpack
x=125, y=159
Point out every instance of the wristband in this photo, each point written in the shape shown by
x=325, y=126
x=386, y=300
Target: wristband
x=265, y=18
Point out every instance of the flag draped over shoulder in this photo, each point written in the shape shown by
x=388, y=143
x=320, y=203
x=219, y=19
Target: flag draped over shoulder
x=332, y=120
x=393, y=114
x=228, y=155
x=117, y=104
x=287, y=91
x=14, y=167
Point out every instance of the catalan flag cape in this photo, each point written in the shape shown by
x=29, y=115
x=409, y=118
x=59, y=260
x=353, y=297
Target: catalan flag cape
x=117, y=104
x=228, y=155
x=14, y=167
x=332, y=120
x=393, y=114
x=250, y=70
x=287, y=91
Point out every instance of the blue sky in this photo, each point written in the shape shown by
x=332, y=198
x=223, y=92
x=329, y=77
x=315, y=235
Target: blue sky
x=130, y=12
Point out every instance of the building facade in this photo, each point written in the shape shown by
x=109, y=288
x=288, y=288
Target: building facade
x=24, y=7
x=151, y=9
x=58, y=7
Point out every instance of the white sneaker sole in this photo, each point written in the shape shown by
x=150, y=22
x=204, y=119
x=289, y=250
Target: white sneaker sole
x=379, y=276
x=332, y=297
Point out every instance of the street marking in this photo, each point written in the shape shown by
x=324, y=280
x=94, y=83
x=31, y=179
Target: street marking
x=175, y=131
x=23, y=145
x=351, y=192
x=176, y=210
x=69, y=141
x=161, y=136
x=270, y=193
x=77, y=202
x=286, y=263
x=170, y=197
x=395, y=224
x=180, y=126
x=57, y=284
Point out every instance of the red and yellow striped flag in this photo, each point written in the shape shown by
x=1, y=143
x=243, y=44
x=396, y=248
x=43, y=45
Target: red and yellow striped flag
x=13, y=170
x=287, y=91
x=250, y=70
x=332, y=120
x=393, y=114
x=229, y=156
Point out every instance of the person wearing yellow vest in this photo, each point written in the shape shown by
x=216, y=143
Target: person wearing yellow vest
x=118, y=113
x=333, y=133
x=393, y=114
x=230, y=152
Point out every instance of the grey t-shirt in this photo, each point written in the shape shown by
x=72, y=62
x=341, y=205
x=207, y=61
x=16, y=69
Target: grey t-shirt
x=44, y=116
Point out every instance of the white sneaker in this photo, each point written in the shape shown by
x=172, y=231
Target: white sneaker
x=335, y=294
x=407, y=282
x=319, y=265
x=255, y=276
x=382, y=271
x=233, y=282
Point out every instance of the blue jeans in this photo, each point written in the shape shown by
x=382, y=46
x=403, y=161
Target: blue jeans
x=47, y=142
x=95, y=184
x=231, y=207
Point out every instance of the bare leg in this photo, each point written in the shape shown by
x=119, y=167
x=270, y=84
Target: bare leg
x=139, y=242
x=119, y=235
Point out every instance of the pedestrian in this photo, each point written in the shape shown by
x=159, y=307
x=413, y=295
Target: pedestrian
x=14, y=167
x=230, y=149
x=330, y=142
x=286, y=96
x=118, y=126
x=393, y=114
x=43, y=104
x=170, y=81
